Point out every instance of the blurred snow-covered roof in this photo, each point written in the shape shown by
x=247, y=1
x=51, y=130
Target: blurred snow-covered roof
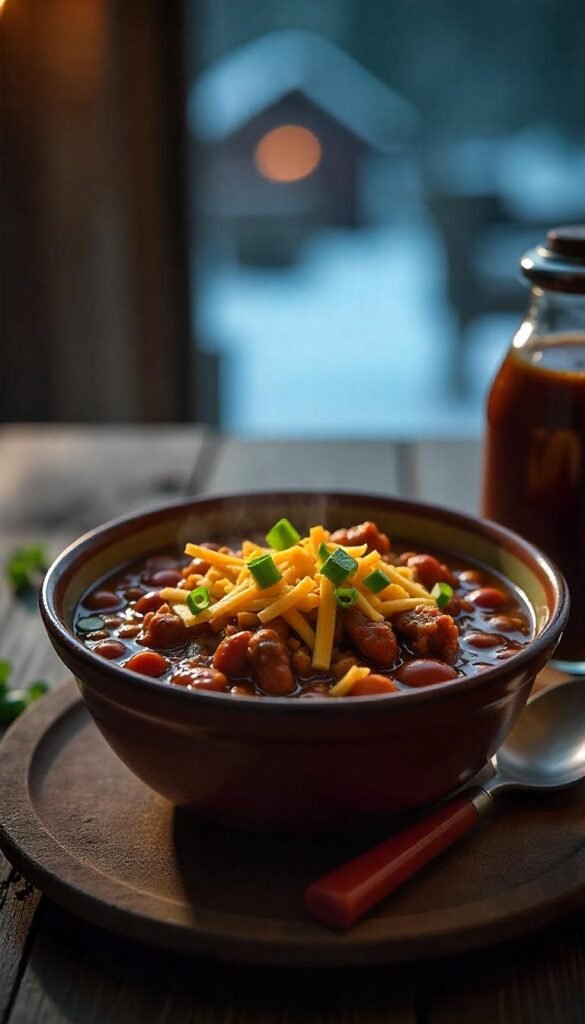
x=242, y=84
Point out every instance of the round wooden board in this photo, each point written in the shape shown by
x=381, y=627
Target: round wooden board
x=96, y=840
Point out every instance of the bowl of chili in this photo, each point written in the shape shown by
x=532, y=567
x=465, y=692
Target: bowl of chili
x=303, y=660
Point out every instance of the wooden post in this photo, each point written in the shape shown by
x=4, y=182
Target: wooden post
x=95, y=293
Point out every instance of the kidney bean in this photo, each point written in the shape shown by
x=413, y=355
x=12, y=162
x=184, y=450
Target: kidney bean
x=156, y=562
x=242, y=691
x=164, y=630
x=129, y=630
x=165, y=578
x=301, y=661
x=98, y=634
x=133, y=593
x=111, y=621
x=196, y=568
x=269, y=658
x=149, y=603
x=487, y=597
x=110, y=649
x=372, y=684
x=148, y=663
x=484, y=640
x=198, y=677
x=231, y=655
x=425, y=672
x=471, y=576
x=508, y=623
x=101, y=599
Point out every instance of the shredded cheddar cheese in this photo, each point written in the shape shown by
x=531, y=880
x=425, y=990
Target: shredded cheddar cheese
x=303, y=597
x=282, y=604
x=325, y=625
x=364, y=606
x=347, y=682
x=300, y=626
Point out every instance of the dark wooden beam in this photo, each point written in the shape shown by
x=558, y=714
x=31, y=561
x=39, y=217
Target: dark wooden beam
x=94, y=242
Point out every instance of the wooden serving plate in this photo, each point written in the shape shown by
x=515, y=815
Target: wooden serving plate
x=96, y=840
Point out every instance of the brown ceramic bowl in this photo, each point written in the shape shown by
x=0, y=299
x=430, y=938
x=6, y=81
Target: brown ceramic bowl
x=281, y=763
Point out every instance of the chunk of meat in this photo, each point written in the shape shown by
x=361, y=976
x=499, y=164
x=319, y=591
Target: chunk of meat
x=430, y=571
x=231, y=655
x=365, y=533
x=375, y=641
x=429, y=631
x=163, y=629
x=101, y=599
x=270, y=662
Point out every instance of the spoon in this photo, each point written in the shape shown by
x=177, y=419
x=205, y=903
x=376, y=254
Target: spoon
x=545, y=751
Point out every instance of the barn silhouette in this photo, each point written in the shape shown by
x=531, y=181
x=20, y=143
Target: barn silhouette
x=286, y=122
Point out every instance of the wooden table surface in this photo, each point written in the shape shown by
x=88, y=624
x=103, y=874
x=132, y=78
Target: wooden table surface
x=56, y=482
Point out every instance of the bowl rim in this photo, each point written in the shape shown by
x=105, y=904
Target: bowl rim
x=68, y=559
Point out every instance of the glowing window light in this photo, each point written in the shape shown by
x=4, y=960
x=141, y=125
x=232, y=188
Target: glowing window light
x=288, y=153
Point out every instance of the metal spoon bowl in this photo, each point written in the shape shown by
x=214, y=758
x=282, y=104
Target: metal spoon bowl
x=544, y=751
x=546, y=747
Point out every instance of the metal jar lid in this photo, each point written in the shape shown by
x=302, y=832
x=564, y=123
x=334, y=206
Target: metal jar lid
x=558, y=265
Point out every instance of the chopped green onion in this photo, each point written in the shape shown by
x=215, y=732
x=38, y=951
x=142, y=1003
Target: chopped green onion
x=37, y=689
x=442, y=594
x=198, y=600
x=377, y=581
x=12, y=704
x=5, y=670
x=282, y=535
x=339, y=566
x=90, y=624
x=324, y=552
x=264, y=570
x=346, y=597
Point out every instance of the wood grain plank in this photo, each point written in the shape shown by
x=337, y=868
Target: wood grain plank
x=55, y=483
x=73, y=478
x=539, y=980
x=264, y=465
x=81, y=973
x=19, y=902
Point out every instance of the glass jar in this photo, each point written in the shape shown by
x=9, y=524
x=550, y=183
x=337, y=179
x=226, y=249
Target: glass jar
x=534, y=462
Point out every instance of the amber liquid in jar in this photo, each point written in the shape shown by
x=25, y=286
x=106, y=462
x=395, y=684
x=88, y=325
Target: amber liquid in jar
x=535, y=461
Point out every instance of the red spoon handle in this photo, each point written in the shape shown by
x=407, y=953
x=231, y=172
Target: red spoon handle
x=343, y=896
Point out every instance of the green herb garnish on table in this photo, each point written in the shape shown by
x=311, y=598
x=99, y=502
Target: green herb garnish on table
x=26, y=566
x=14, y=702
